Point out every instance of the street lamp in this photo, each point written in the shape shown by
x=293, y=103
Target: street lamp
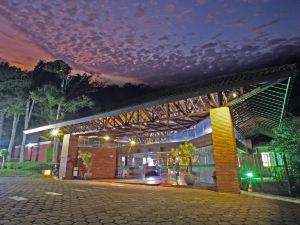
x=55, y=133
x=250, y=176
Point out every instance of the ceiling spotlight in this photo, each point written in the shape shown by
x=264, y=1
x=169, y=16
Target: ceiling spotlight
x=157, y=121
x=145, y=123
x=93, y=137
x=234, y=94
x=106, y=137
x=54, y=132
x=132, y=142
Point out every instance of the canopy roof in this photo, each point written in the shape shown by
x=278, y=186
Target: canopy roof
x=257, y=99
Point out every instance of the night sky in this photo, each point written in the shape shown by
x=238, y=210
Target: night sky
x=153, y=42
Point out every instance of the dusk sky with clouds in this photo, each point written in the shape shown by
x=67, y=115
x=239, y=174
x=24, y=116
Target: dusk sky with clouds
x=153, y=42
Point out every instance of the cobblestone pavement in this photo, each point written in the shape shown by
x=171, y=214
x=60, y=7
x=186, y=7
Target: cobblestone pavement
x=38, y=201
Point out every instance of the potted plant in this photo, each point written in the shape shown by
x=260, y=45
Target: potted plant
x=183, y=156
x=86, y=158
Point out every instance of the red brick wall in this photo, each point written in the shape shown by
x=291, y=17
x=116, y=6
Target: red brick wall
x=103, y=162
x=32, y=151
x=16, y=152
x=72, y=153
x=43, y=153
x=27, y=153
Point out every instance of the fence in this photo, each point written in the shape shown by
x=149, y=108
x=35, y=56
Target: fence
x=269, y=178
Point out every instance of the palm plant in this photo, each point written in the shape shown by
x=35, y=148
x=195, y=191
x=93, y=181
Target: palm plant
x=183, y=154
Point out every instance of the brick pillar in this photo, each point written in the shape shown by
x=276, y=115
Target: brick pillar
x=68, y=156
x=225, y=150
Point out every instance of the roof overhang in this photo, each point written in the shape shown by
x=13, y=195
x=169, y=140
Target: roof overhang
x=184, y=106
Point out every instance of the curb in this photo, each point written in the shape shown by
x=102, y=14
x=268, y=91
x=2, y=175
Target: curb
x=159, y=185
x=273, y=197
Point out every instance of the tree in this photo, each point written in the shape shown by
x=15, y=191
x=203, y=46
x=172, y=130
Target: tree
x=86, y=158
x=183, y=154
x=13, y=90
x=65, y=95
x=29, y=106
x=287, y=143
x=3, y=154
x=28, y=113
x=68, y=89
x=2, y=118
x=4, y=68
x=49, y=97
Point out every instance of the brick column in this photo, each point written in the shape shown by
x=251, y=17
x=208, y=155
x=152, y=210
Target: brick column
x=68, y=156
x=225, y=150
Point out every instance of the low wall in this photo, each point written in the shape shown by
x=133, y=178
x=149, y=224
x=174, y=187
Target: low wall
x=34, y=153
x=103, y=162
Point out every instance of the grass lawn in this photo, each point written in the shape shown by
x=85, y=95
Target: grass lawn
x=24, y=169
x=18, y=172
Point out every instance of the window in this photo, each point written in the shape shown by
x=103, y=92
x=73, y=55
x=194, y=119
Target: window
x=265, y=156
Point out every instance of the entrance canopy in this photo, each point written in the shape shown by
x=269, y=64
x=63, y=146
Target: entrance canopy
x=257, y=100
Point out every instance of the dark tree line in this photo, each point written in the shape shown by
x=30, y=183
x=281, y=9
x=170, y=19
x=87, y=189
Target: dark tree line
x=49, y=93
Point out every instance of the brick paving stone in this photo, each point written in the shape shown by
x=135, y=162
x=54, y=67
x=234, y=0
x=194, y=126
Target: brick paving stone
x=103, y=203
x=107, y=221
x=121, y=222
x=80, y=223
x=65, y=223
x=93, y=220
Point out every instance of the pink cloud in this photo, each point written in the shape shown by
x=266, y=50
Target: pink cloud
x=17, y=48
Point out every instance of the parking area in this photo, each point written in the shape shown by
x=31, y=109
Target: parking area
x=33, y=200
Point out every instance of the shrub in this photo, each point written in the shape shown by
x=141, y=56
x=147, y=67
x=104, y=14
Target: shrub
x=28, y=165
x=12, y=165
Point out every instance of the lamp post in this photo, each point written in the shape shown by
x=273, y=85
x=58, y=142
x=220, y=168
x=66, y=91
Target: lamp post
x=54, y=134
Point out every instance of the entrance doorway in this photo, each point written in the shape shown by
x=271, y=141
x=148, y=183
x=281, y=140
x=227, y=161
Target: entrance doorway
x=152, y=165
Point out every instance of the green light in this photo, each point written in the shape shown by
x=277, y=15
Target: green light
x=250, y=174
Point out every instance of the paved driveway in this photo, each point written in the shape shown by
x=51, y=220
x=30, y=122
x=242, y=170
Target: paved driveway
x=47, y=201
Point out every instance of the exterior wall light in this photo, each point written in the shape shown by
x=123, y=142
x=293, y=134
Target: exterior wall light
x=30, y=145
